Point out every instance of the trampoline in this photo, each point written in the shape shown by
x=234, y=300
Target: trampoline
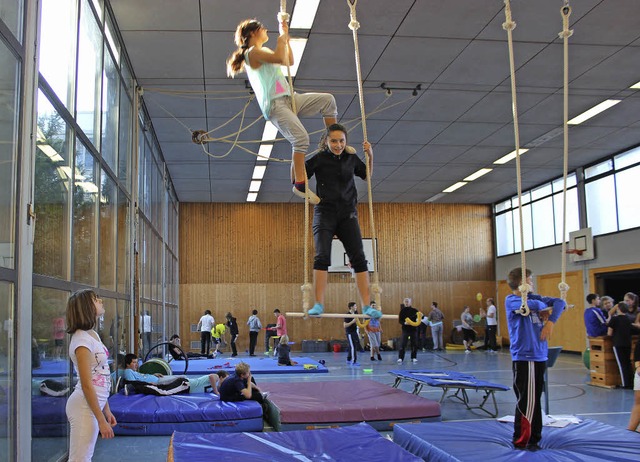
x=258, y=366
x=334, y=444
x=451, y=380
x=588, y=441
x=312, y=405
x=197, y=412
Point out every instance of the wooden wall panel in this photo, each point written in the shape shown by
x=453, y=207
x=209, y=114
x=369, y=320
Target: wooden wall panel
x=240, y=257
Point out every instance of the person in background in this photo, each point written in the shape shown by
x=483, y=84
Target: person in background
x=595, y=321
x=205, y=324
x=469, y=334
x=606, y=303
x=620, y=328
x=634, y=419
x=254, y=329
x=217, y=337
x=284, y=352
x=145, y=326
x=529, y=353
x=492, y=327
x=350, y=329
x=87, y=408
x=408, y=319
x=436, y=318
x=232, y=324
x=59, y=333
x=631, y=300
x=374, y=331
x=281, y=323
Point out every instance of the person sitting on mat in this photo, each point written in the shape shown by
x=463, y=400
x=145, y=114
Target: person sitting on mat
x=284, y=352
x=241, y=386
x=337, y=215
x=196, y=384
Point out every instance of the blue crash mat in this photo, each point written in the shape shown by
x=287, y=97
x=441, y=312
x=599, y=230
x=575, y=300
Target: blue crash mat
x=589, y=441
x=259, y=365
x=335, y=444
x=50, y=368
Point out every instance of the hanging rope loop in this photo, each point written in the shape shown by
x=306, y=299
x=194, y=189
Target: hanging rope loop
x=565, y=11
x=509, y=23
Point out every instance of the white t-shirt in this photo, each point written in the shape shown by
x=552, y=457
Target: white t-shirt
x=206, y=323
x=494, y=320
x=100, y=374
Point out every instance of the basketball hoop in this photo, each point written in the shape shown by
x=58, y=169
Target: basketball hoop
x=575, y=251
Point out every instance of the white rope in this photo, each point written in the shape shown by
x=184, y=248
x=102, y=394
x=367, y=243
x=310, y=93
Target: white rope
x=565, y=12
x=509, y=25
x=354, y=25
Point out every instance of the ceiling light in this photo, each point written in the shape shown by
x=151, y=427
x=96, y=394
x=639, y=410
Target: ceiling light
x=453, y=187
x=478, y=174
x=510, y=156
x=303, y=14
x=594, y=111
x=258, y=172
x=255, y=186
x=251, y=197
x=635, y=86
x=264, y=152
x=297, y=48
x=270, y=132
x=436, y=197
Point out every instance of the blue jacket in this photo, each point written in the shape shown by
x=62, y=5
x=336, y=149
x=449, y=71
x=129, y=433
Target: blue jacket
x=524, y=331
x=595, y=322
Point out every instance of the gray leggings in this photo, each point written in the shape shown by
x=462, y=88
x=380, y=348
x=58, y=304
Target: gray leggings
x=288, y=123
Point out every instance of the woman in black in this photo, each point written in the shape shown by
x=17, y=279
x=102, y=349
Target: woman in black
x=232, y=324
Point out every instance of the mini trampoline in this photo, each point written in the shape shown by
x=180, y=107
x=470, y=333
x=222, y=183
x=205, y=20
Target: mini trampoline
x=451, y=380
x=312, y=405
x=334, y=444
x=589, y=441
x=258, y=366
x=140, y=414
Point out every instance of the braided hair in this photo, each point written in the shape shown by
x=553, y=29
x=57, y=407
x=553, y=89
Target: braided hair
x=235, y=63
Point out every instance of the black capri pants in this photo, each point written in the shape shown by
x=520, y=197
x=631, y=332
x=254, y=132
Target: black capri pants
x=330, y=220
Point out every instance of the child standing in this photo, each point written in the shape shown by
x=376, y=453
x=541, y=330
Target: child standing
x=529, y=335
x=274, y=95
x=87, y=408
x=620, y=328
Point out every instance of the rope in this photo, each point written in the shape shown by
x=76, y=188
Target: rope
x=354, y=25
x=509, y=25
x=565, y=12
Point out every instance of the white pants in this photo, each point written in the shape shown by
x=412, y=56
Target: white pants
x=289, y=123
x=84, y=428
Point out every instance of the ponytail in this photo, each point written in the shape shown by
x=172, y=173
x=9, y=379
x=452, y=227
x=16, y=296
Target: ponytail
x=235, y=63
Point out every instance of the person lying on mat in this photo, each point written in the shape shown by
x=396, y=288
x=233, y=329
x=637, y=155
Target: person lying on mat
x=196, y=384
x=284, y=352
x=241, y=386
x=177, y=352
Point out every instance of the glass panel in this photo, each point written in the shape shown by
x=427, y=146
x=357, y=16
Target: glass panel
x=98, y=5
x=124, y=244
x=9, y=113
x=504, y=233
x=11, y=13
x=573, y=220
x=125, y=152
x=108, y=221
x=527, y=231
x=50, y=360
x=596, y=170
x=89, y=75
x=109, y=32
x=7, y=363
x=526, y=197
x=127, y=79
x=85, y=192
x=571, y=181
x=627, y=158
x=52, y=183
x=543, y=230
x=58, y=32
x=627, y=195
x=110, y=100
x=124, y=321
x=601, y=211
x=106, y=327
x=541, y=191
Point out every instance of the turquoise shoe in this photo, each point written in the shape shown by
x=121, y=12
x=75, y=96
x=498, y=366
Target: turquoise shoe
x=372, y=312
x=316, y=310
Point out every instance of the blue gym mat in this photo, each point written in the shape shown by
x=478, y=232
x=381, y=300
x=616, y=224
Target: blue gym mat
x=49, y=368
x=258, y=365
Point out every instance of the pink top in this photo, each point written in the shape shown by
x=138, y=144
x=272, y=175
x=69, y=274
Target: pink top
x=282, y=322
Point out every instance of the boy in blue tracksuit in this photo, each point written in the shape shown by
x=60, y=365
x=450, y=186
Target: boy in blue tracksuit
x=528, y=336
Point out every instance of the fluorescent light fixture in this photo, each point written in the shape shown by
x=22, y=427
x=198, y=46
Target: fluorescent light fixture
x=594, y=111
x=258, y=172
x=254, y=186
x=251, y=197
x=269, y=133
x=453, y=187
x=436, y=197
x=264, y=152
x=635, y=86
x=303, y=14
x=297, y=48
x=510, y=156
x=478, y=174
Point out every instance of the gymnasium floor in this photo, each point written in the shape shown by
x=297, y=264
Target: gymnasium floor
x=569, y=393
